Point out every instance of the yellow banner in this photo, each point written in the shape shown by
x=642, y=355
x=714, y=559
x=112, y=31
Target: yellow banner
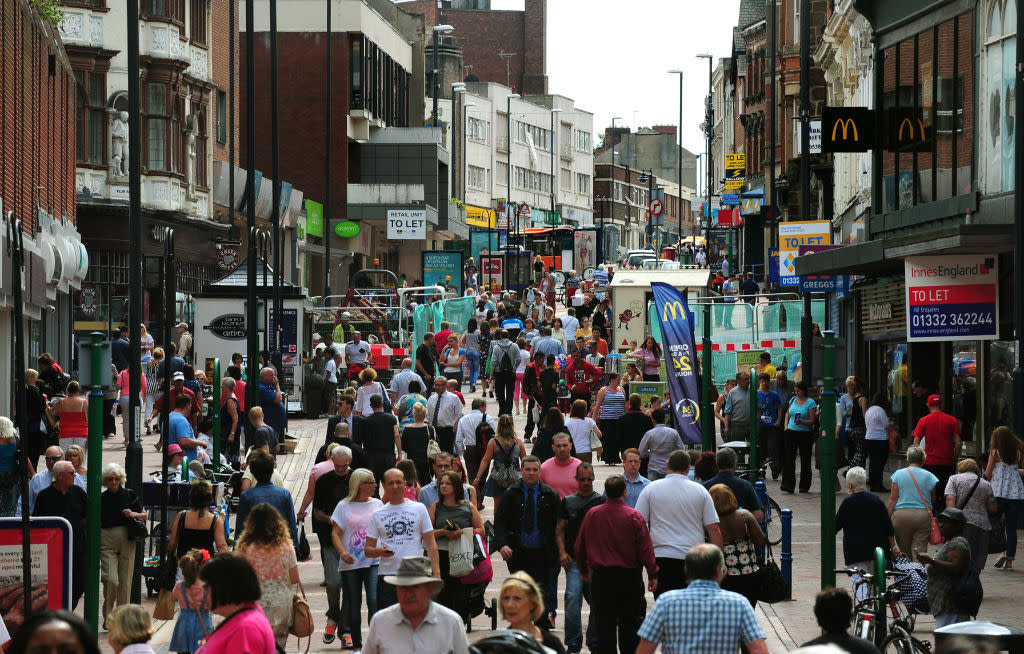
x=734, y=184
x=480, y=217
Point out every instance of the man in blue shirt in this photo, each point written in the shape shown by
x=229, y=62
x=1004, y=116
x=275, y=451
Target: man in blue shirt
x=119, y=349
x=546, y=344
x=272, y=402
x=525, y=532
x=180, y=429
x=770, y=425
x=701, y=617
x=635, y=482
x=262, y=466
x=171, y=364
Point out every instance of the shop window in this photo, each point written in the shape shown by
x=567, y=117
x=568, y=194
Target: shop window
x=965, y=389
x=999, y=52
x=91, y=118
x=931, y=72
x=998, y=392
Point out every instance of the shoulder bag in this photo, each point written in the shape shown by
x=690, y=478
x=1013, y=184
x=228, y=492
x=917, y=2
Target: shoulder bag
x=934, y=535
x=967, y=591
x=302, y=617
x=595, y=440
x=773, y=586
x=433, y=448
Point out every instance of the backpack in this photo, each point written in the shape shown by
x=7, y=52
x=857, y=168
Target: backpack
x=505, y=362
x=506, y=476
x=483, y=433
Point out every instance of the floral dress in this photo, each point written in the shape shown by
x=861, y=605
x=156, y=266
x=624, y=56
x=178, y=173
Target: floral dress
x=272, y=565
x=405, y=404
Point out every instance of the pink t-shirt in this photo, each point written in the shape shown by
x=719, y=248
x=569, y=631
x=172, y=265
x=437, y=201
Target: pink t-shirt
x=248, y=632
x=560, y=477
x=321, y=469
x=122, y=383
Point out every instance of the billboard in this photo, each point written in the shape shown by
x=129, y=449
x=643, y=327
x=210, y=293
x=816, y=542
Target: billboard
x=443, y=267
x=952, y=298
x=791, y=236
x=51, y=569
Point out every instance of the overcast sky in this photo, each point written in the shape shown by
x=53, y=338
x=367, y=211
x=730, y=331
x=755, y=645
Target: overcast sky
x=612, y=58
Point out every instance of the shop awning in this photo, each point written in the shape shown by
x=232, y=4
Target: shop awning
x=751, y=201
x=886, y=256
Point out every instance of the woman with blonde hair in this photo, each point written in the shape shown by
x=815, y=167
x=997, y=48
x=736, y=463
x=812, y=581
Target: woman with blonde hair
x=9, y=489
x=507, y=452
x=267, y=545
x=348, y=533
x=118, y=505
x=521, y=604
x=130, y=629
x=38, y=425
x=76, y=455
x=73, y=413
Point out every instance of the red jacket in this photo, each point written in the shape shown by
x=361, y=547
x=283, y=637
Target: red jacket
x=579, y=378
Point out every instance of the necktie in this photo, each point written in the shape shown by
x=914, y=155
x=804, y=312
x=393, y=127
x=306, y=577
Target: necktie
x=437, y=409
x=530, y=511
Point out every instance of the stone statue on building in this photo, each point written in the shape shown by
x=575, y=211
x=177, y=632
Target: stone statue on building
x=119, y=143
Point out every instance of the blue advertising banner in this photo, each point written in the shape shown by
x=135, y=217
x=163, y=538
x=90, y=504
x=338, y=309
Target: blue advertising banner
x=676, y=322
x=773, y=265
x=443, y=267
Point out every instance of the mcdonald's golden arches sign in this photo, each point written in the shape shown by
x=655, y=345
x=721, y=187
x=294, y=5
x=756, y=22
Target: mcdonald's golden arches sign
x=847, y=129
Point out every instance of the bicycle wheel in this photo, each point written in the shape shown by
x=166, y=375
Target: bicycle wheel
x=898, y=642
x=773, y=522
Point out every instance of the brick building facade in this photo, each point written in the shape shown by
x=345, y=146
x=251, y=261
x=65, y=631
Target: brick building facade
x=37, y=186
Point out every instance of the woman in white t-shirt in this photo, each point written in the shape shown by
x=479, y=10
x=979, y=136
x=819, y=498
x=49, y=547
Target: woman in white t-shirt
x=519, y=397
x=348, y=533
x=579, y=425
x=368, y=387
x=452, y=358
x=876, y=435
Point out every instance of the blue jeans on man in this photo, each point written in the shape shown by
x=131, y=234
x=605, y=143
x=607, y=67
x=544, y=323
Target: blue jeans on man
x=576, y=590
x=337, y=596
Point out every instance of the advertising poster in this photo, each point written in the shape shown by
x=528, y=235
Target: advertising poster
x=681, y=361
x=51, y=568
x=584, y=250
x=289, y=335
x=443, y=267
x=952, y=298
x=791, y=236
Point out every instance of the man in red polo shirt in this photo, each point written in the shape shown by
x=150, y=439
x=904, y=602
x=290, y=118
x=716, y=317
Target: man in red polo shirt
x=579, y=375
x=941, y=434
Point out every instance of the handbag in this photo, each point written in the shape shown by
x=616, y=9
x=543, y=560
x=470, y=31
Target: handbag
x=302, y=549
x=164, y=609
x=385, y=398
x=483, y=572
x=934, y=535
x=967, y=592
x=137, y=529
x=772, y=585
x=302, y=617
x=595, y=441
x=460, y=554
x=433, y=448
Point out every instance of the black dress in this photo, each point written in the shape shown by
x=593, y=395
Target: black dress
x=542, y=446
x=551, y=641
x=633, y=425
x=414, y=443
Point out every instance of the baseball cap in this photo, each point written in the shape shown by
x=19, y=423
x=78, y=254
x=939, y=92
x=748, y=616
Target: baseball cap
x=182, y=324
x=934, y=400
x=317, y=337
x=173, y=449
x=177, y=376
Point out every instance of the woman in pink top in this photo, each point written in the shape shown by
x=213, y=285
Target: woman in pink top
x=122, y=400
x=650, y=356
x=234, y=590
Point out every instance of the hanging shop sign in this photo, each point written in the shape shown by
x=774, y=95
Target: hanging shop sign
x=791, y=236
x=952, y=298
x=407, y=224
x=230, y=326
x=347, y=229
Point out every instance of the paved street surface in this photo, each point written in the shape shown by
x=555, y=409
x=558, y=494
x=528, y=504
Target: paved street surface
x=787, y=624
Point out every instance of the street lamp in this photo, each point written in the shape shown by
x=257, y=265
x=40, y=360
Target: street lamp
x=553, y=141
x=435, y=82
x=611, y=193
x=709, y=115
x=457, y=87
x=508, y=172
x=679, y=158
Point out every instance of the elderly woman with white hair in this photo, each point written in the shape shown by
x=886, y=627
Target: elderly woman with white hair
x=118, y=505
x=865, y=523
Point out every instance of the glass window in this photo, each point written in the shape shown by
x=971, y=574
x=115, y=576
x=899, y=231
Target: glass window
x=91, y=121
x=222, y=116
x=998, y=391
x=999, y=51
x=197, y=18
x=965, y=388
x=157, y=123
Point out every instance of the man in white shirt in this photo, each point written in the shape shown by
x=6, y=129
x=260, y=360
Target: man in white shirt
x=331, y=381
x=44, y=478
x=677, y=512
x=400, y=382
x=417, y=623
x=399, y=529
x=443, y=412
x=570, y=325
x=357, y=352
x=465, y=433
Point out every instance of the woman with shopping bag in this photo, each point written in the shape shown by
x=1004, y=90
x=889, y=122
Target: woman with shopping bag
x=454, y=518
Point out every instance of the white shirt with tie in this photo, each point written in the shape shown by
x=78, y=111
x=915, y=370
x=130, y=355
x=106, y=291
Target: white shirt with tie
x=449, y=412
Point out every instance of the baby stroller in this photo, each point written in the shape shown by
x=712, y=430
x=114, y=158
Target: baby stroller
x=480, y=578
x=913, y=589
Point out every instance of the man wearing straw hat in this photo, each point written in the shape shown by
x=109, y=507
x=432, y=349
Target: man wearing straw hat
x=416, y=623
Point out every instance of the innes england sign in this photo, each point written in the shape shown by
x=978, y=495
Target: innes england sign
x=952, y=298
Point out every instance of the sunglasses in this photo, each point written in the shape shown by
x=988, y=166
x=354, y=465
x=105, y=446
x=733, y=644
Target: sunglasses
x=53, y=458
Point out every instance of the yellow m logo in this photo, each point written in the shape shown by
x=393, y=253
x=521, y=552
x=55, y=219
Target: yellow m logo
x=676, y=307
x=907, y=122
x=847, y=124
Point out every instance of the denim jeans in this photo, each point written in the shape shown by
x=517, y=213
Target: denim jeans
x=357, y=581
x=1010, y=509
x=576, y=590
x=473, y=361
x=387, y=595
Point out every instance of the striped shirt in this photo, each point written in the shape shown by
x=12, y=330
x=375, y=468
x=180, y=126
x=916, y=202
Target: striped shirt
x=613, y=405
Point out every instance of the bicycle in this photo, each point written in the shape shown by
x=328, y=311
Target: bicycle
x=772, y=511
x=900, y=621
